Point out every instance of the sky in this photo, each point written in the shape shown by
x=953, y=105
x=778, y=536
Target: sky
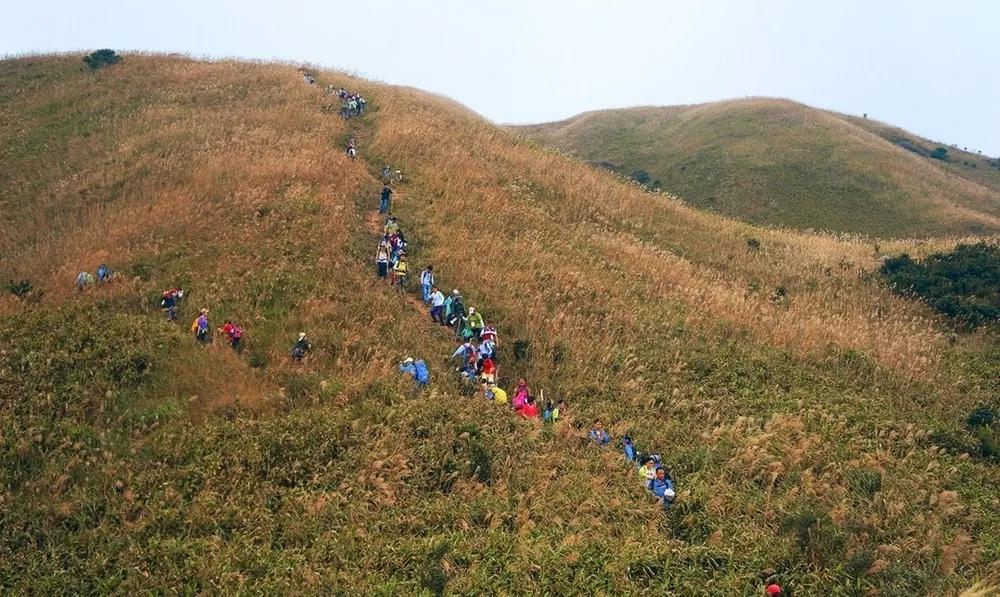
x=932, y=67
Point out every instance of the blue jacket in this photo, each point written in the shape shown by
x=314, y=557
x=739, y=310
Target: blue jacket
x=408, y=368
x=659, y=488
x=422, y=374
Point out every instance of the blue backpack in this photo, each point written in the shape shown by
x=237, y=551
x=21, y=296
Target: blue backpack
x=423, y=374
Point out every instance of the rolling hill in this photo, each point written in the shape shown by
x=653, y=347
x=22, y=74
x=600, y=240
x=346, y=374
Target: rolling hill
x=776, y=162
x=812, y=418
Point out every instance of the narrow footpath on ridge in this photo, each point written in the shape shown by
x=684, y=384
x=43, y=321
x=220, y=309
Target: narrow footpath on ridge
x=360, y=127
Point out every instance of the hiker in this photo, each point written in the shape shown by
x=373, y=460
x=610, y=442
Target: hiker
x=437, y=306
x=423, y=373
x=647, y=472
x=521, y=392
x=200, y=327
x=598, y=435
x=408, y=367
x=104, y=274
x=427, y=282
x=496, y=393
x=529, y=410
x=391, y=227
x=382, y=257
x=300, y=348
x=490, y=333
x=84, y=280
x=385, y=204
x=662, y=487
x=233, y=333
x=487, y=351
x=488, y=369
x=457, y=313
x=628, y=447
x=169, y=302
x=399, y=271
x=475, y=322
x=465, y=350
x=386, y=172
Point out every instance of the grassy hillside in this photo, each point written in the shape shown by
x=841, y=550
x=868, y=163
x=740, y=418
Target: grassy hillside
x=777, y=162
x=801, y=404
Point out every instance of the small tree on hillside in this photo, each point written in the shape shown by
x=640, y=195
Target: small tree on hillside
x=101, y=58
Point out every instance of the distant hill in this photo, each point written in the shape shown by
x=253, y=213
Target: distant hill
x=772, y=161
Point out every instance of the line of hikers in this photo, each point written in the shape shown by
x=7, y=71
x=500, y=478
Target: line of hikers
x=652, y=473
x=476, y=355
x=85, y=279
x=232, y=332
x=352, y=104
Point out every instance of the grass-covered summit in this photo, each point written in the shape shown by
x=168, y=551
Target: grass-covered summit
x=810, y=414
x=777, y=162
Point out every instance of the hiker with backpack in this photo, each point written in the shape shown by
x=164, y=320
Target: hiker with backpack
x=399, y=271
x=598, y=435
x=496, y=393
x=385, y=203
x=104, y=274
x=417, y=369
x=169, y=301
x=437, y=306
x=382, y=257
x=233, y=333
x=628, y=447
x=84, y=280
x=475, y=323
x=662, y=486
x=426, y=282
x=199, y=327
x=457, y=315
x=465, y=351
x=300, y=348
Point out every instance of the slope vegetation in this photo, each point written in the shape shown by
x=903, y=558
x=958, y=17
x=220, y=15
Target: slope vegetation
x=800, y=404
x=781, y=163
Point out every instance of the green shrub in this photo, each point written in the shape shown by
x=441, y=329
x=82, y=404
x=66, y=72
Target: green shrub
x=940, y=153
x=20, y=289
x=642, y=177
x=101, y=58
x=963, y=285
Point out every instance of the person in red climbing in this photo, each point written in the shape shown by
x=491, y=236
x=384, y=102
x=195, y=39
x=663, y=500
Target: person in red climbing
x=233, y=333
x=529, y=410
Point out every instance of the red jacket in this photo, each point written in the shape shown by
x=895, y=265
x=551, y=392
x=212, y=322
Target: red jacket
x=529, y=410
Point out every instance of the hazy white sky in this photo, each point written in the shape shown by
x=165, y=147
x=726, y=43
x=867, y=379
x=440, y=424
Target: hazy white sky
x=929, y=66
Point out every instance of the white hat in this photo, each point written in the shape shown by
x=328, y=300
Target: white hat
x=455, y=291
x=408, y=360
x=302, y=335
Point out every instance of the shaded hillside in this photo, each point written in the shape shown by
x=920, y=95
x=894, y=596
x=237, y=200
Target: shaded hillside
x=809, y=414
x=777, y=162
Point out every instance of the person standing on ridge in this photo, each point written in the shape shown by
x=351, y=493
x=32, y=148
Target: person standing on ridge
x=386, y=202
x=427, y=283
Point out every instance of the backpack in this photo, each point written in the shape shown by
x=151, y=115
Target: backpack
x=547, y=415
x=237, y=332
